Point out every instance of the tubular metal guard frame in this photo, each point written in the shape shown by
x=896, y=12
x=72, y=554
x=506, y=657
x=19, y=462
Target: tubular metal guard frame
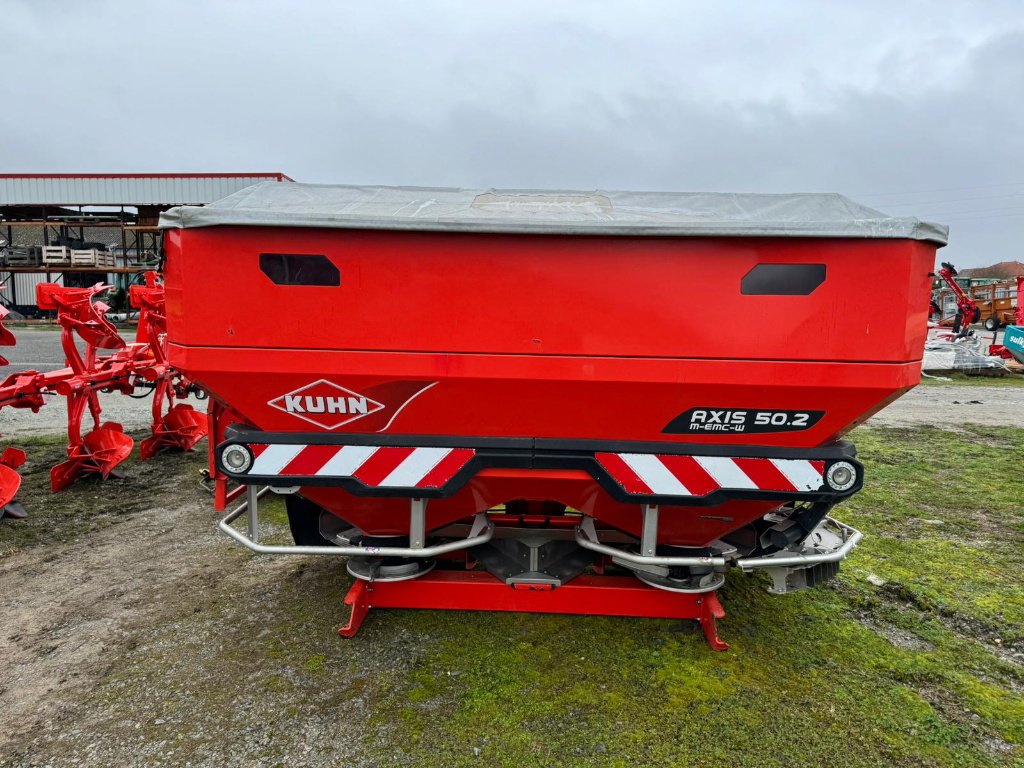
x=586, y=537
x=481, y=532
x=849, y=536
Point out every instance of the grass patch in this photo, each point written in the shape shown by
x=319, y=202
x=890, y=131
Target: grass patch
x=944, y=520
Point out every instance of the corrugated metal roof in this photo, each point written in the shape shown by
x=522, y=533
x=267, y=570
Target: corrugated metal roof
x=125, y=189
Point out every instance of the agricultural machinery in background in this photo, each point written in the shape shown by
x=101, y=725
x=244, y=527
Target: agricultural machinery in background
x=1013, y=338
x=967, y=310
x=999, y=308
x=131, y=368
x=991, y=304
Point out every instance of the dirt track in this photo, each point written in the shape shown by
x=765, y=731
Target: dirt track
x=68, y=605
x=947, y=405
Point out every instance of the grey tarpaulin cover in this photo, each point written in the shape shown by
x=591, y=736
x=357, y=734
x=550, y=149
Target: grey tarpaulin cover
x=285, y=204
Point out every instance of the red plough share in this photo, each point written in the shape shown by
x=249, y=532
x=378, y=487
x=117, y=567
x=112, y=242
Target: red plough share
x=503, y=400
x=11, y=458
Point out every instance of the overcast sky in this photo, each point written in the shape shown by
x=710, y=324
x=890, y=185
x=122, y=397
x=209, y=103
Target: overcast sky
x=916, y=108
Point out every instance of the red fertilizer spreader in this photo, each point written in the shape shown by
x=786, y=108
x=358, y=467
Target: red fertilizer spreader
x=572, y=402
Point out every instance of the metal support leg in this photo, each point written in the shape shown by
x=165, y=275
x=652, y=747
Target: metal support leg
x=649, y=534
x=251, y=495
x=417, y=523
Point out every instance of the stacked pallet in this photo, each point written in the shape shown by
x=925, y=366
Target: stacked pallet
x=56, y=255
x=91, y=257
x=22, y=256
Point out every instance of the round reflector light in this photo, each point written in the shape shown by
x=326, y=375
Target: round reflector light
x=841, y=476
x=236, y=458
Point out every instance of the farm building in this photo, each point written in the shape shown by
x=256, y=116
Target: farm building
x=79, y=229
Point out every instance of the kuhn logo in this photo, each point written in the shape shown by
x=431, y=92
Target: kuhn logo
x=326, y=404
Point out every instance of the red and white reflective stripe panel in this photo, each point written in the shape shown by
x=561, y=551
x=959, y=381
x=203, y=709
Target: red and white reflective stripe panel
x=374, y=466
x=651, y=474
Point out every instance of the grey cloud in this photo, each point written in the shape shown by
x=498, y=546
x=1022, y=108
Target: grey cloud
x=914, y=110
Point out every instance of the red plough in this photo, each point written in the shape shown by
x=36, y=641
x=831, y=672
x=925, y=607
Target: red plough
x=106, y=446
x=129, y=366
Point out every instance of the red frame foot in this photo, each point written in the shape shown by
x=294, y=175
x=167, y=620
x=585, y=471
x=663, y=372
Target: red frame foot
x=584, y=595
x=712, y=609
x=357, y=600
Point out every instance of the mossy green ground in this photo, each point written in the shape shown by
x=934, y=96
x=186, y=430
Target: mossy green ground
x=920, y=665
